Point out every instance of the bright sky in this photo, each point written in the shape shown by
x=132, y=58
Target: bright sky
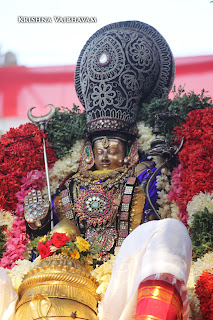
x=187, y=26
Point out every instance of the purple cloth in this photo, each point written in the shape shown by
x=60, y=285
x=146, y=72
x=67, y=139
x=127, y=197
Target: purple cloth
x=153, y=191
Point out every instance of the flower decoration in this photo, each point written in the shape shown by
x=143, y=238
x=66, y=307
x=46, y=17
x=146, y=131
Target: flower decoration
x=73, y=246
x=59, y=239
x=82, y=244
x=21, y=151
x=20, y=269
x=195, y=171
x=103, y=273
x=204, y=290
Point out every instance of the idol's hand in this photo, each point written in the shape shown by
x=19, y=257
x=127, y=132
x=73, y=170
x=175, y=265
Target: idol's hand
x=35, y=209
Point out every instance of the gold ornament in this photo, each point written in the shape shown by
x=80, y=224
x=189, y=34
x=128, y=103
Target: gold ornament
x=59, y=288
x=66, y=226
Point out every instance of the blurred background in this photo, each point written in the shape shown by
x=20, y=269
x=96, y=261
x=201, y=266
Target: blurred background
x=37, y=59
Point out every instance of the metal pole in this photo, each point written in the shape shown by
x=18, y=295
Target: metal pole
x=42, y=123
x=48, y=183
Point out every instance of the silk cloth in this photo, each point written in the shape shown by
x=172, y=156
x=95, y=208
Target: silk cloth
x=155, y=247
x=8, y=297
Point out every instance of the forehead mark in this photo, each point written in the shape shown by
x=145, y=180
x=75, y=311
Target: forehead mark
x=105, y=142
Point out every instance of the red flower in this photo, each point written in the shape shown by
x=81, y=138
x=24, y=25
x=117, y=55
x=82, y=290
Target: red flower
x=196, y=171
x=204, y=291
x=49, y=243
x=59, y=239
x=43, y=250
x=21, y=151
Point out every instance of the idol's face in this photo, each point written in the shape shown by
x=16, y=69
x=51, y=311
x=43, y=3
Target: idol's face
x=109, y=153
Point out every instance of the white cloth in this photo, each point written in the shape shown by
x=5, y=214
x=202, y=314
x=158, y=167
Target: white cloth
x=8, y=297
x=155, y=247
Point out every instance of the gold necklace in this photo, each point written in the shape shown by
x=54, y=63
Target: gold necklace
x=90, y=178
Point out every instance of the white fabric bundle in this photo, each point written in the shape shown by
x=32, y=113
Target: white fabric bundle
x=8, y=297
x=155, y=247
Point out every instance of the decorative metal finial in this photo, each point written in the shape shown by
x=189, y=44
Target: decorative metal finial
x=41, y=121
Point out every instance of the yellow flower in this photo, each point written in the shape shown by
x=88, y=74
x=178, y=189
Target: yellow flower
x=82, y=244
x=43, y=239
x=66, y=251
x=75, y=254
x=89, y=267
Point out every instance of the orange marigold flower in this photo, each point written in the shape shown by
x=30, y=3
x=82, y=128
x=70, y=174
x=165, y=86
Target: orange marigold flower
x=75, y=254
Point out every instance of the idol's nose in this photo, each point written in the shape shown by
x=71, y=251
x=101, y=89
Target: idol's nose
x=105, y=156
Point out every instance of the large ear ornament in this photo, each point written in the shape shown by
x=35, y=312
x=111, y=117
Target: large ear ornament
x=133, y=153
x=87, y=158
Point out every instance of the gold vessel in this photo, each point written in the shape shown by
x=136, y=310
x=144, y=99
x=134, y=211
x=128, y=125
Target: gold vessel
x=59, y=288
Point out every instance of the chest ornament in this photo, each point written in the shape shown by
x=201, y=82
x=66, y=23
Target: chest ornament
x=95, y=206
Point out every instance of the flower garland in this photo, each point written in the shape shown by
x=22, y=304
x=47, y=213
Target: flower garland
x=175, y=195
x=204, y=291
x=193, y=299
x=163, y=185
x=103, y=273
x=202, y=264
x=198, y=203
x=21, y=151
x=145, y=137
x=192, y=185
x=6, y=219
x=19, y=270
x=203, y=275
x=195, y=157
x=17, y=240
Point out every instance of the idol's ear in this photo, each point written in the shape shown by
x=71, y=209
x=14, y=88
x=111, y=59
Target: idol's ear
x=133, y=156
x=87, y=158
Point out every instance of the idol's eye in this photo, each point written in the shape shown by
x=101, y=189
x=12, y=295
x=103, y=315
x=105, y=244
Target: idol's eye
x=112, y=151
x=99, y=151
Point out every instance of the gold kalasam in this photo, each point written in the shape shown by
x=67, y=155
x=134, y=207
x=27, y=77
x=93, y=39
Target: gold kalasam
x=59, y=288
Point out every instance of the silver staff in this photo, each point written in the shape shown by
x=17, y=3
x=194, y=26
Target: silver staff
x=42, y=123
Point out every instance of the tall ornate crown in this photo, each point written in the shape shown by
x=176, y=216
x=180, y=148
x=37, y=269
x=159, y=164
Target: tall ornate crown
x=121, y=65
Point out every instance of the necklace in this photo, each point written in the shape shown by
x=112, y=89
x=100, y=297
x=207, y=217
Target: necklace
x=91, y=179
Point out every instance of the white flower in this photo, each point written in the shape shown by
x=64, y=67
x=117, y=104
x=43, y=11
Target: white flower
x=18, y=272
x=6, y=219
x=145, y=137
x=203, y=264
x=174, y=210
x=198, y=203
x=103, y=274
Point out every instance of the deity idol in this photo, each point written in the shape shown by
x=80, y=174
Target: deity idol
x=122, y=65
